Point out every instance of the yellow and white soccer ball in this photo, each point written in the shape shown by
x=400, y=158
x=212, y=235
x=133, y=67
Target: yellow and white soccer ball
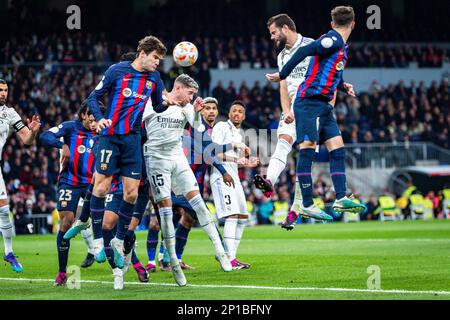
x=185, y=54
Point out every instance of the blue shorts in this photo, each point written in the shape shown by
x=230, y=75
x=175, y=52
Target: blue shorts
x=181, y=202
x=113, y=201
x=69, y=197
x=314, y=120
x=119, y=155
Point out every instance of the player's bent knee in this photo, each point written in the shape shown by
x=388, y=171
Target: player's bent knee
x=67, y=219
x=287, y=138
x=166, y=203
x=308, y=145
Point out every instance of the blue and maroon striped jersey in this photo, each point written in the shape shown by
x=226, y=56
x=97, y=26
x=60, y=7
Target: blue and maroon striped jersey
x=116, y=184
x=325, y=72
x=128, y=90
x=80, y=168
x=200, y=153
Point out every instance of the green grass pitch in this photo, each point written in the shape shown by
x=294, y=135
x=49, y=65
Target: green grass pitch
x=322, y=261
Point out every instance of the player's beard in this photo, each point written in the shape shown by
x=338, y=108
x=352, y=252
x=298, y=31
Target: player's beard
x=2, y=101
x=281, y=43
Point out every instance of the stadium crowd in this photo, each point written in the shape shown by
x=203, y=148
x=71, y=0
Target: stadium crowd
x=222, y=53
x=396, y=113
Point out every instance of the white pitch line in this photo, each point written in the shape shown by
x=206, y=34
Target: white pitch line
x=248, y=287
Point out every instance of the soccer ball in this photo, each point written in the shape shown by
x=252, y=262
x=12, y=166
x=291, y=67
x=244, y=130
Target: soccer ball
x=185, y=54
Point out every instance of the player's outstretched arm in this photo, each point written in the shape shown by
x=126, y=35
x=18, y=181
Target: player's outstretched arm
x=28, y=133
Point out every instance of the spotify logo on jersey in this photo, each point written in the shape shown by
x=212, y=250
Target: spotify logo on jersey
x=127, y=92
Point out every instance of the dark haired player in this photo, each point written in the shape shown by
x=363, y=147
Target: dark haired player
x=9, y=118
x=313, y=110
x=77, y=170
x=129, y=85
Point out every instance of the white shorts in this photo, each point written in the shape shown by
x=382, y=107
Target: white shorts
x=167, y=175
x=289, y=129
x=228, y=200
x=3, y=194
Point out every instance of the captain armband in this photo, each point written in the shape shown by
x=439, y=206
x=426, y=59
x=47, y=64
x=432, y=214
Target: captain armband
x=19, y=125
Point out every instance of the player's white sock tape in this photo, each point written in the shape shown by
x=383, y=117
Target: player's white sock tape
x=168, y=231
x=278, y=160
x=88, y=239
x=298, y=198
x=6, y=228
x=239, y=231
x=229, y=234
x=204, y=218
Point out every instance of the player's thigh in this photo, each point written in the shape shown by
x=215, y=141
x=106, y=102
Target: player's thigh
x=307, y=118
x=113, y=201
x=287, y=131
x=131, y=156
x=329, y=131
x=3, y=193
x=240, y=198
x=69, y=197
x=160, y=175
x=107, y=156
x=183, y=179
x=225, y=199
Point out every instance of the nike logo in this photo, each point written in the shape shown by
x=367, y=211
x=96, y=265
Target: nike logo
x=135, y=174
x=126, y=79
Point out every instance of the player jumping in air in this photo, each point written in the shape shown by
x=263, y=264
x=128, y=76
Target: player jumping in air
x=284, y=34
x=129, y=86
x=9, y=118
x=313, y=108
x=168, y=168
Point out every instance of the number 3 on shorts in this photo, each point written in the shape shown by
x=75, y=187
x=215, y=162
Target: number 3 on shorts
x=108, y=154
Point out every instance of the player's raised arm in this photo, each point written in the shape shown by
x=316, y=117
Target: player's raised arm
x=323, y=46
x=27, y=133
x=160, y=99
x=93, y=100
x=52, y=137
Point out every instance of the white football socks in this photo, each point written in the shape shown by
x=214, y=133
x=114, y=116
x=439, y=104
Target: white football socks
x=168, y=231
x=88, y=239
x=206, y=222
x=229, y=236
x=297, y=205
x=278, y=160
x=241, y=223
x=6, y=228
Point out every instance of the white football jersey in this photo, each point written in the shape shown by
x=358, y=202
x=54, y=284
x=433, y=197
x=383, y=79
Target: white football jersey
x=8, y=118
x=297, y=76
x=225, y=133
x=165, y=130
